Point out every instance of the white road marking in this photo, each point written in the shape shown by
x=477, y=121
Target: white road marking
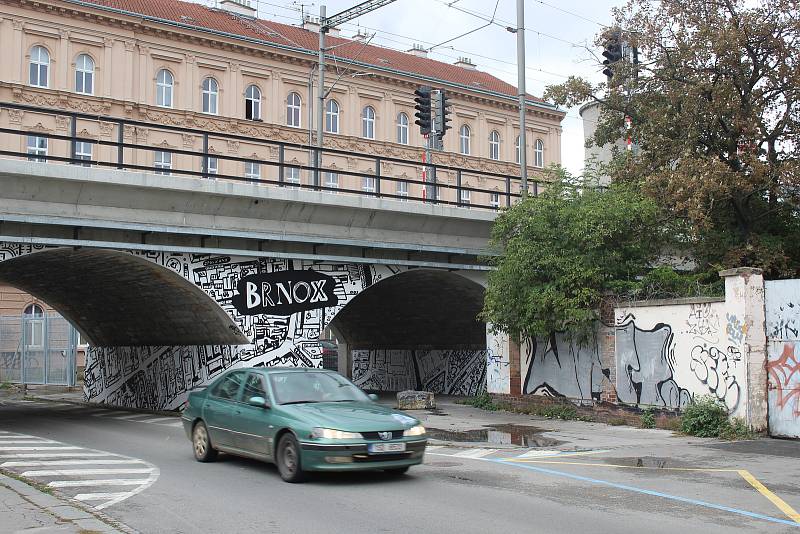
x=58, y=448
x=176, y=424
x=99, y=496
x=46, y=463
x=57, y=455
x=475, y=453
x=103, y=482
x=25, y=441
x=538, y=453
x=433, y=448
x=78, y=472
x=110, y=413
x=132, y=416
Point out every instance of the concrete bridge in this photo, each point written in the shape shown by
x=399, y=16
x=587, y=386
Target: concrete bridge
x=174, y=278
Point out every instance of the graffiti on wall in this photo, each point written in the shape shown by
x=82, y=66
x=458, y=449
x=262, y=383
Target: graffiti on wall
x=453, y=372
x=498, y=363
x=782, y=303
x=666, y=355
x=560, y=366
x=281, y=305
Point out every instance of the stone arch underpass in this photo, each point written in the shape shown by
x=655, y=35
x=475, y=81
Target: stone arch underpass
x=163, y=323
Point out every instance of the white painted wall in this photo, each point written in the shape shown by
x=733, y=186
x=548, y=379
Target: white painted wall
x=498, y=361
x=782, y=299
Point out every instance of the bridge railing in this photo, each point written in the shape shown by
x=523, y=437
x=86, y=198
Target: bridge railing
x=121, y=143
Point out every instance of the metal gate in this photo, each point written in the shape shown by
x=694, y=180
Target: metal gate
x=782, y=299
x=37, y=349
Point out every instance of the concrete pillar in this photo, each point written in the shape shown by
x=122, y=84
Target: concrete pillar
x=744, y=300
x=498, y=363
x=607, y=345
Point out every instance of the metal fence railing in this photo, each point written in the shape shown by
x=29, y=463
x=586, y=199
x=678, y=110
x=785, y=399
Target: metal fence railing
x=120, y=143
x=38, y=349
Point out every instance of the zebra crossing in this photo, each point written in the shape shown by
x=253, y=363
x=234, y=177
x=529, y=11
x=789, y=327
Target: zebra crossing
x=98, y=479
x=481, y=453
x=100, y=411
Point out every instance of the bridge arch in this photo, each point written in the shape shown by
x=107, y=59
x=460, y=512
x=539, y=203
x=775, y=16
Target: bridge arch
x=117, y=299
x=418, y=329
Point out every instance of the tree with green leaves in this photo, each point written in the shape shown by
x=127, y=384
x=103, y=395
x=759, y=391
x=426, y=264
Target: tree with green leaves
x=715, y=109
x=560, y=252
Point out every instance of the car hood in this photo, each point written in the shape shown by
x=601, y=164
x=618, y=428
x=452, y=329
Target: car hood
x=351, y=416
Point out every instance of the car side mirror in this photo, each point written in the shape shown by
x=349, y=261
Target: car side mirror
x=261, y=402
x=373, y=397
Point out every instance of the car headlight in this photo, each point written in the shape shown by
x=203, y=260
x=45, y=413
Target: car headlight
x=329, y=433
x=418, y=430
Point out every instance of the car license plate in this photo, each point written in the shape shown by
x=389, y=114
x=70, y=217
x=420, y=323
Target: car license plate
x=387, y=447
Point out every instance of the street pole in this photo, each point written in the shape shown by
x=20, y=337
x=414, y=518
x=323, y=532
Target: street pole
x=523, y=156
x=321, y=94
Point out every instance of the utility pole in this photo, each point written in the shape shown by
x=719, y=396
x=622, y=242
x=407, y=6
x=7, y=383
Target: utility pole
x=325, y=24
x=523, y=145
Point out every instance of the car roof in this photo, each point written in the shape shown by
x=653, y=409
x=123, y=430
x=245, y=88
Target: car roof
x=270, y=370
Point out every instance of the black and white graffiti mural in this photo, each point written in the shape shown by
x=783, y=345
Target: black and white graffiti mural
x=560, y=366
x=454, y=372
x=281, y=305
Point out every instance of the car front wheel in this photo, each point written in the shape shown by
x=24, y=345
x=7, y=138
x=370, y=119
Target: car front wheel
x=288, y=459
x=203, y=451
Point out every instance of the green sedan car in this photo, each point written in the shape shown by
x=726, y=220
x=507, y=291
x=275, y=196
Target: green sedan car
x=302, y=420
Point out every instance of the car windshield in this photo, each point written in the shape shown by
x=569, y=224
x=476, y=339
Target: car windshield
x=303, y=387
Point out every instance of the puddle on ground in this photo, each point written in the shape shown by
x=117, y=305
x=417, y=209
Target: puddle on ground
x=525, y=436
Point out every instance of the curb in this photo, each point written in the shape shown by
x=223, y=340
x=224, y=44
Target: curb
x=64, y=510
x=108, y=406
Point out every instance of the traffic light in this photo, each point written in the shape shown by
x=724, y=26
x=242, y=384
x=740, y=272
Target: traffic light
x=612, y=52
x=442, y=113
x=423, y=107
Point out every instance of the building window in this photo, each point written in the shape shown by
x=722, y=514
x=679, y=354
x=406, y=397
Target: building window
x=538, y=154
x=291, y=175
x=39, y=67
x=252, y=103
x=252, y=170
x=293, y=103
x=83, y=152
x=463, y=135
x=494, y=200
x=210, y=96
x=164, y=84
x=37, y=148
x=368, y=184
x=162, y=162
x=402, y=190
x=213, y=165
x=494, y=145
x=465, y=195
x=402, y=129
x=331, y=181
x=84, y=75
x=332, y=116
x=368, y=123
x=34, y=325
x=516, y=148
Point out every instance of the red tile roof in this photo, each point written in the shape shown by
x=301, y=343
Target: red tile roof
x=200, y=16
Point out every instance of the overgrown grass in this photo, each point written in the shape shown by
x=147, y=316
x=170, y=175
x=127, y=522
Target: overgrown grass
x=566, y=412
x=483, y=401
x=706, y=417
x=648, y=418
x=5, y=385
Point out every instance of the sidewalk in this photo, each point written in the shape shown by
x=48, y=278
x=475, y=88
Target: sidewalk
x=23, y=508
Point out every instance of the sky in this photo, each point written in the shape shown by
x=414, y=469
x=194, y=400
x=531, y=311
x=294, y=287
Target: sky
x=558, y=34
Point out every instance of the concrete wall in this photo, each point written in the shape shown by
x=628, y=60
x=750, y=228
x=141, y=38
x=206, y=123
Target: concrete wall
x=783, y=364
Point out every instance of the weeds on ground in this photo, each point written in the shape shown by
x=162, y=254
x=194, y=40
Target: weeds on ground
x=483, y=401
x=706, y=417
x=566, y=412
x=5, y=385
x=617, y=421
x=648, y=418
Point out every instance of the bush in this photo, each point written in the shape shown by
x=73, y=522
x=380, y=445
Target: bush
x=648, y=418
x=705, y=417
x=736, y=429
x=483, y=401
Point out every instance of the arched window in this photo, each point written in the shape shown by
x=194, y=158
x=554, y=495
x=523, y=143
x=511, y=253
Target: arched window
x=84, y=75
x=464, y=134
x=210, y=96
x=402, y=129
x=494, y=145
x=164, y=84
x=252, y=103
x=39, y=67
x=293, y=104
x=538, y=153
x=517, y=152
x=332, y=116
x=368, y=123
x=33, y=318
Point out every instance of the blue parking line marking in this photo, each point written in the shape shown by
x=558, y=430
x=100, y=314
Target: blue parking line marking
x=648, y=492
